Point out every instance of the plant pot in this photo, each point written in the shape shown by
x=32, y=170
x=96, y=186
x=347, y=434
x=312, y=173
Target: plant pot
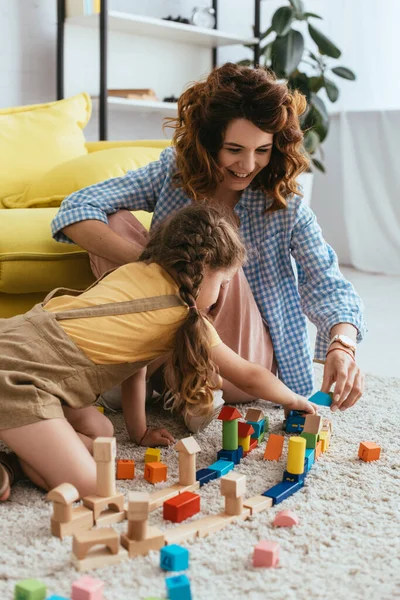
x=306, y=180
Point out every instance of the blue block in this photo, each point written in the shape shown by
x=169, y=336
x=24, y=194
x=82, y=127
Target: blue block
x=178, y=588
x=222, y=467
x=174, y=558
x=283, y=490
x=309, y=459
x=234, y=456
x=321, y=398
x=56, y=598
x=293, y=427
x=291, y=477
x=259, y=428
x=205, y=475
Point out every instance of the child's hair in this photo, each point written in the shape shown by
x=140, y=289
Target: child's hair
x=191, y=239
x=232, y=92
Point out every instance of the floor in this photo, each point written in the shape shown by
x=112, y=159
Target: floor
x=378, y=353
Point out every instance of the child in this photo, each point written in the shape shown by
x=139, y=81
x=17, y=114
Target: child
x=58, y=357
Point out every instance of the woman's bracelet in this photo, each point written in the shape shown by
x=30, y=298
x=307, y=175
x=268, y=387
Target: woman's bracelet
x=143, y=436
x=342, y=350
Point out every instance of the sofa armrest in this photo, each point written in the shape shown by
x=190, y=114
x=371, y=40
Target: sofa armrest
x=105, y=145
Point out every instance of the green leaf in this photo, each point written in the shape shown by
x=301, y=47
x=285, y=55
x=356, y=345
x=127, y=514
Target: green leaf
x=311, y=141
x=324, y=44
x=297, y=5
x=344, y=72
x=287, y=52
x=300, y=81
x=320, y=107
x=266, y=33
x=267, y=53
x=316, y=83
x=307, y=15
x=331, y=89
x=282, y=20
x=318, y=165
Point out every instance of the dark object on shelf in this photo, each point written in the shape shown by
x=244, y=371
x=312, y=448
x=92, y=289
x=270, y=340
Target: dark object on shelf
x=177, y=20
x=170, y=99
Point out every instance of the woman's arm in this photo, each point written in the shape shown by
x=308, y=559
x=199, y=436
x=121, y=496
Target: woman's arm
x=255, y=380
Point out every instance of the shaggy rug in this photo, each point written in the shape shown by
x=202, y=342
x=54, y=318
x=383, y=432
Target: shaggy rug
x=346, y=546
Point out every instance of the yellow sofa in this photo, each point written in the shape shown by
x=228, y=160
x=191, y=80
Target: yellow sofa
x=31, y=262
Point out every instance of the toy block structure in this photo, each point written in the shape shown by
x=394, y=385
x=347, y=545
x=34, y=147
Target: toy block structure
x=257, y=504
x=29, y=589
x=309, y=459
x=245, y=431
x=104, y=453
x=125, y=468
x=140, y=538
x=266, y=554
x=205, y=475
x=279, y=492
x=312, y=424
x=229, y=417
x=294, y=421
x=369, y=451
x=295, y=460
x=233, y=488
x=66, y=519
x=174, y=558
x=154, y=472
x=85, y=558
x=285, y=518
x=234, y=456
x=87, y=588
x=152, y=455
x=178, y=588
x=259, y=422
x=222, y=467
x=181, y=507
x=318, y=450
x=273, y=450
x=311, y=439
x=187, y=448
x=324, y=438
x=321, y=398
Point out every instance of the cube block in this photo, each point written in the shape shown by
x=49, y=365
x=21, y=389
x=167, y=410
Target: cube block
x=266, y=554
x=178, y=588
x=321, y=399
x=87, y=588
x=205, y=475
x=152, y=455
x=181, y=507
x=30, y=589
x=154, y=472
x=311, y=439
x=283, y=490
x=369, y=451
x=221, y=467
x=125, y=469
x=234, y=456
x=174, y=558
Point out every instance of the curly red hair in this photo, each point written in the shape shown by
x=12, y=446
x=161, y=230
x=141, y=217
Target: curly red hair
x=233, y=92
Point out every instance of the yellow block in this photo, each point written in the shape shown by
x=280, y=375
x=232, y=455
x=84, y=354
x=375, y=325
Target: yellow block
x=152, y=455
x=296, y=455
x=100, y=409
x=245, y=442
x=325, y=439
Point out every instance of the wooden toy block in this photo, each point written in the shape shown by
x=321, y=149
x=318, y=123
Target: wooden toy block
x=321, y=399
x=125, y=468
x=258, y=427
x=286, y=518
x=311, y=439
x=369, y=451
x=181, y=507
x=309, y=459
x=261, y=438
x=273, y=450
x=294, y=422
x=53, y=597
x=178, y=588
x=87, y=588
x=154, y=472
x=222, y=467
x=140, y=538
x=244, y=432
x=187, y=448
x=252, y=446
x=318, y=450
x=67, y=519
x=312, y=424
x=293, y=477
x=98, y=504
x=98, y=558
x=283, y=490
x=233, y=484
x=154, y=541
x=104, y=453
x=327, y=424
x=266, y=554
x=296, y=455
x=254, y=415
x=205, y=475
x=257, y=504
x=174, y=558
x=186, y=532
x=158, y=498
x=152, y=455
x=324, y=438
x=234, y=456
x=229, y=417
x=233, y=506
x=215, y=523
x=138, y=506
x=30, y=589
x=83, y=541
x=104, y=449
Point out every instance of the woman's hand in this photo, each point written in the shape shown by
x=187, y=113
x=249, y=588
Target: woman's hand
x=157, y=437
x=342, y=370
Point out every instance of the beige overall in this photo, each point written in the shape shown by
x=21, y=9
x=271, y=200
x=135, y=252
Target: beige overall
x=41, y=367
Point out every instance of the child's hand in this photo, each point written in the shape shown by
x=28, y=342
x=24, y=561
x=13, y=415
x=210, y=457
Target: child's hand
x=157, y=437
x=300, y=403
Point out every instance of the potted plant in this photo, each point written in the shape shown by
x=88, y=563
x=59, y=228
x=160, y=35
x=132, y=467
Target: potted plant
x=283, y=49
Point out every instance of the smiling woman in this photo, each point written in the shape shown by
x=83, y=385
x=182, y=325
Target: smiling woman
x=238, y=145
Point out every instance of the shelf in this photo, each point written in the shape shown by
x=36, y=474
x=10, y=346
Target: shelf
x=166, y=30
x=148, y=106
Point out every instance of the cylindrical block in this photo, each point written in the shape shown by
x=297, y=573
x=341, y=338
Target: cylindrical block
x=233, y=506
x=137, y=530
x=62, y=513
x=296, y=455
x=105, y=484
x=230, y=440
x=187, y=469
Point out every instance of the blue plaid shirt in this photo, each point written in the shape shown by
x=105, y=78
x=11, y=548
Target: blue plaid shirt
x=321, y=292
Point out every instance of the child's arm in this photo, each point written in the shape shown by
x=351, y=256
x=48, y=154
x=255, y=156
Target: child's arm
x=134, y=409
x=255, y=380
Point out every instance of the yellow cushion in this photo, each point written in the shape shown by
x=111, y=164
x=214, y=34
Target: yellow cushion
x=81, y=172
x=34, y=139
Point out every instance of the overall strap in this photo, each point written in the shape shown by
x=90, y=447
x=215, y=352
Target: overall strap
x=61, y=291
x=122, y=308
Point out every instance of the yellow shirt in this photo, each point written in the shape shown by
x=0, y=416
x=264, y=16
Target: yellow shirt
x=130, y=337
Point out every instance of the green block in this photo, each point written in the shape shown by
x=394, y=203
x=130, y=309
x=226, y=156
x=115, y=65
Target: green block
x=262, y=436
x=30, y=589
x=230, y=437
x=266, y=423
x=311, y=439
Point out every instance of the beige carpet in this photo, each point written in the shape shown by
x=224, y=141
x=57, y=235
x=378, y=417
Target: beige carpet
x=347, y=545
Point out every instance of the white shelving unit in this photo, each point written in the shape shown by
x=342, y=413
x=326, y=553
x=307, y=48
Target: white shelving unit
x=162, y=29
x=165, y=108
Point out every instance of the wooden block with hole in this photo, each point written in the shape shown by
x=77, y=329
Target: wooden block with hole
x=154, y=472
x=369, y=451
x=125, y=468
x=66, y=518
x=86, y=555
x=273, y=450
x=112, y=508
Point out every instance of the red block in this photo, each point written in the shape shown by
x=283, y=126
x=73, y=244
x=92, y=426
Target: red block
x=181, y=507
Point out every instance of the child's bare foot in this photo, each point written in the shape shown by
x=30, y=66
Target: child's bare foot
x=10, y=471
x=5, y=487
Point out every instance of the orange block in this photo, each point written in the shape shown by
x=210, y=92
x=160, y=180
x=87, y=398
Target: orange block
x=154, y=472
x=318, y=450
x=274, y=448
x=369, y=451
x=125, y=468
